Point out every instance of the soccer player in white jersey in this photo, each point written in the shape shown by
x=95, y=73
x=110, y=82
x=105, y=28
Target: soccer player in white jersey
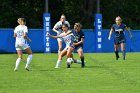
x=20, y=33
x=68, y=39
x=58, y=29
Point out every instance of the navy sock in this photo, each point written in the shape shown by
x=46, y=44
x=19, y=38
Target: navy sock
x=83, y=64
x=116, y=53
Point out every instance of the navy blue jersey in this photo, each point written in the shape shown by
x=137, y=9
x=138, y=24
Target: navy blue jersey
x=119, y=33
x=78, y=35
x=119, y=30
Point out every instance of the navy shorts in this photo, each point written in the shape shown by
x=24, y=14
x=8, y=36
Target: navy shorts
x=119, y=40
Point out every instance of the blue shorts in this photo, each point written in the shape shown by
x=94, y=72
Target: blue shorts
x=77, y=47
x=119, y=40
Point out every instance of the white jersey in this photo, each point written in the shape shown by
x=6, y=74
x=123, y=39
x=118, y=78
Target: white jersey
x=58, y=25
x=68, y=39
x=19, y=31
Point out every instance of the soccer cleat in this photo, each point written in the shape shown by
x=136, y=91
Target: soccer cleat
x=27, y=68
x=56, y=67
x=117, y=57
x=15, y=70
x=83, y=64
x=68, y=66
x=123, y=58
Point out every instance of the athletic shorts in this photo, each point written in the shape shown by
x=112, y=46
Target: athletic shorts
x=21, y=47
x=119, y=40
x=59, y=39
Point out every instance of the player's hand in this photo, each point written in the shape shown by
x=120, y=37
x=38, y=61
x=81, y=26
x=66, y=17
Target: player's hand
x=30, y=40
x=58, y=32
x=48, y=34
x=74, y=44
x=131, y=36
x=109, y=38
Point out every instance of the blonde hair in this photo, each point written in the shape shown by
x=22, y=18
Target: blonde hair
x=21, y=21
x=63, y=16
x=118, y=17
x=78, y=24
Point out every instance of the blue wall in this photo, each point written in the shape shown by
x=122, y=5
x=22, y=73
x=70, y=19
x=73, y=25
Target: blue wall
x=7, y=41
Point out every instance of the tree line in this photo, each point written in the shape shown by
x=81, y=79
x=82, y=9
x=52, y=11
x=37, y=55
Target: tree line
x=75, y=10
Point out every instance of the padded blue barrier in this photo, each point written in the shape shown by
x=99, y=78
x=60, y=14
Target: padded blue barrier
x=7, y=41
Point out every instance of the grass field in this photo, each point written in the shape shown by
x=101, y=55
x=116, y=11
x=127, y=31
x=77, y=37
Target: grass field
x=102, y=74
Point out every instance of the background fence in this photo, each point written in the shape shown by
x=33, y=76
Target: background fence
x=7, y=41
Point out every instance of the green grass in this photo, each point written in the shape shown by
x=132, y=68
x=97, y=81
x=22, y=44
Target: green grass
x=102, y=74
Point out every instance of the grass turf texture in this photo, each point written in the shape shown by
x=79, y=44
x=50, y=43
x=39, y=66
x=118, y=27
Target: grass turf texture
x=102, y=74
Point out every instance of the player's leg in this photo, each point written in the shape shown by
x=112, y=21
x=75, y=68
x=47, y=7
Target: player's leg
x=81, y=54
x=69, y=54
x=19, y=52
x=29, y=58
x=77, y=61
x=123, y=50
x=63, y=53
x=116, y=47
x=59, y=45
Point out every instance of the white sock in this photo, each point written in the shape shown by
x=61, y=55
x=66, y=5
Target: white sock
x=58, y=63
x=29, y=58
x=59, y=52
x=78, y=61
x=17, y=63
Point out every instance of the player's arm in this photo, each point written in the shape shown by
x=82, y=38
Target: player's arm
x=15, y=35
x=110, y=33
x=79, y=43
x=69, y=32
x=55, y=28
x=26, y=37
x=128, y=30
x=54, y=36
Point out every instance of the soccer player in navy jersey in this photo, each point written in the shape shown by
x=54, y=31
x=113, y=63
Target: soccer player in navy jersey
x=78, y=43
x=119, y=38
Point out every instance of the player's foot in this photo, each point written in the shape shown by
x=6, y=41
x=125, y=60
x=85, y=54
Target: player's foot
x=15, y=69
x=27, y=68
x=117, y=57
x=123, y=58
x=83, y=64
x=68, y=66
x=56, y=67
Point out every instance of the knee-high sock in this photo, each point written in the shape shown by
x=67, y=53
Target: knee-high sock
x=82, y=59
x=123, y=53
x=29, y=59
x=59, y=52
x=78, y=61
x=58, y=63
x=17, y=63
x=116, y=53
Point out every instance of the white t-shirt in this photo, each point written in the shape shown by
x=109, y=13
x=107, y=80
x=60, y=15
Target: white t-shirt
x=68, y=39
x=58, y=25
x=20, y=30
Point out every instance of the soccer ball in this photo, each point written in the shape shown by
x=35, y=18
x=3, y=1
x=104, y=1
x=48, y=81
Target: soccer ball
x=69, y=61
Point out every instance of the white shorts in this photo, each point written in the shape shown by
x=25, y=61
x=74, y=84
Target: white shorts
x=59, y=39
x=22, y=47
x=66, y=48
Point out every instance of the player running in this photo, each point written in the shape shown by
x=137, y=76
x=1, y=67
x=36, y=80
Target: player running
x=20, y=33
x=119, y=38
x=58, y=29
x=68, y=39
